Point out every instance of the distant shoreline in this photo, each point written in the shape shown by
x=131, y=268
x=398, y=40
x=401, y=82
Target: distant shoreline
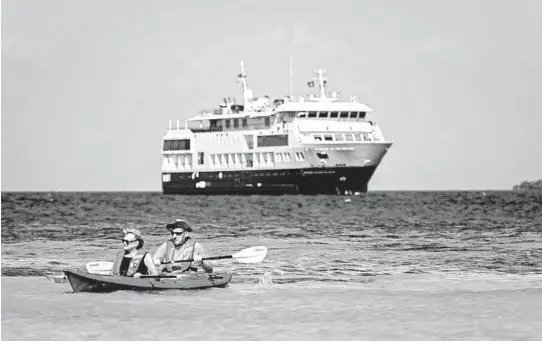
x=529, y=186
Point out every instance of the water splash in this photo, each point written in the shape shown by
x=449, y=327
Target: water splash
x=267, y=277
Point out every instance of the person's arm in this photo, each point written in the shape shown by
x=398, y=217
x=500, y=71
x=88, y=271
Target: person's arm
x=199, y=251
x=149, y=262
x=158, y=256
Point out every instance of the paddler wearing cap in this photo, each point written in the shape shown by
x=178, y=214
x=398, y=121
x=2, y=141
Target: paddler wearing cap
x=133, y=261
x=181, y=247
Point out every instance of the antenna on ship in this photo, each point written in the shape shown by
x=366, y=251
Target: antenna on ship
x=247, y=93
x=243, y=77
x=291, y=81
x=322, y=82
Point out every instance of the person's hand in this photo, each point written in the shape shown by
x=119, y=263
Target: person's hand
x=137, y=275
x=197, y=258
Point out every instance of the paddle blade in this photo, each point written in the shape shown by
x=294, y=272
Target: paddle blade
x=99, y=268
x=251, y=255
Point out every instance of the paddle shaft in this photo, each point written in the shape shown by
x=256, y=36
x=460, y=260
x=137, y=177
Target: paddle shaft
x=207, y=258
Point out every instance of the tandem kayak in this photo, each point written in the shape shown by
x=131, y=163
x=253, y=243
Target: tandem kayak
x=87, y=282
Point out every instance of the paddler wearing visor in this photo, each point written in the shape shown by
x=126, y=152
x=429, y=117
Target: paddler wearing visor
x=181, y=247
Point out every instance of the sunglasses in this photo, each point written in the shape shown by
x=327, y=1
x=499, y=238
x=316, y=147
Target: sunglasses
x=128, y=241
x=176, y=233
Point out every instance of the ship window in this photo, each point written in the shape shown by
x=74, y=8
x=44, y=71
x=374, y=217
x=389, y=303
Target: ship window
x=354, y=114
x=328, y=137
x=249, y=158
x=267, y=121
x=278, y=157
x=358, y=137
x=302, y=114
x=334, y=114
x=317, y=138
x=322, y=114
x=243, y=160
x=227, y=123
x=201, y=158
x=344, y=114
x=339, y=137
x=312, y=114
x=250, y=141
x=245, y=123
x=322, y=155
x=349, y=137
x=299, y=156
x=362, y=114
x=272, y=140
x=287, y=157
x=176, y=145
x=211, y=160
x=236, y=123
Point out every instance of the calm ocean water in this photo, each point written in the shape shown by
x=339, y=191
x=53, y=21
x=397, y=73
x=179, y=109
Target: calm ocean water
x=385, y=266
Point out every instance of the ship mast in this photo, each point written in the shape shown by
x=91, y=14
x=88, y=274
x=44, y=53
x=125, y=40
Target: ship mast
x=321, y=82
x=291, y=81
x=243, y=77
x=247, y=93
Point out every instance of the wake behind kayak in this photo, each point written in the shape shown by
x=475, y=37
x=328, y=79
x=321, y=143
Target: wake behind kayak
x=87, y=282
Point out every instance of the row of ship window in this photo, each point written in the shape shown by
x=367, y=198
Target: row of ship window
x=332, y=114
x=233, y=160
x=230, y=175
x=277, y=140
x=262, y=141
x=343, y=137
x=292, y=114
x=220, y=124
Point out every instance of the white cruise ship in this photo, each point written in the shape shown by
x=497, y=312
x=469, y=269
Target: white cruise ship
x=314, y=145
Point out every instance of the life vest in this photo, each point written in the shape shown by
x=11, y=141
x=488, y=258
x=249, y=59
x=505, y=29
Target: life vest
x=186, y=252
x=134, y=263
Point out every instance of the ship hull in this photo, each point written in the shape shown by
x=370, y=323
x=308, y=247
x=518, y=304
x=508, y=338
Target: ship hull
x=322, y=180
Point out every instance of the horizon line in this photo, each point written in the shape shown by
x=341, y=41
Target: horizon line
x=159, y=191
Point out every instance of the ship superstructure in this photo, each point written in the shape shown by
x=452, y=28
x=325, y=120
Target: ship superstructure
x=306, y=145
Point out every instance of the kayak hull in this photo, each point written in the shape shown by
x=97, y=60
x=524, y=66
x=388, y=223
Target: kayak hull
x=86, y=282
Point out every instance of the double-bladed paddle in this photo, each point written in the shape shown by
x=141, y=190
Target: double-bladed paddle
x=250, y=255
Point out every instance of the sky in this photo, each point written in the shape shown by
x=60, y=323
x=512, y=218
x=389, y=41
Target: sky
x=88, y=87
